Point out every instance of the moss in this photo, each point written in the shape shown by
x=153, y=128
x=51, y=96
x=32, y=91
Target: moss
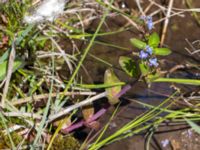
x=5, y=142
x=65, y=143
x=60, y=143
x=14, y=11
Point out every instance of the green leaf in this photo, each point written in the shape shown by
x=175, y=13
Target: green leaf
x=144, y=68
x=3, y=68
x=161, y=51
x=194, y=126
x=138, y=43
x=24, y=33
x=180, y=81
x=109, y=78
x=4, y=56
x=129, y=66
x=154, y=40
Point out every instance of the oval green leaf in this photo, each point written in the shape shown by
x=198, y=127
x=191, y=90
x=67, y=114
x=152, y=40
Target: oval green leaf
x=109, y=78
x=129, y=66
x=138, y=43
x=154, y=40
x=161, y=51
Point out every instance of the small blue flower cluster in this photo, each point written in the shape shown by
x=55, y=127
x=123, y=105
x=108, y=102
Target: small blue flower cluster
x=149, y=22
x=144, y=54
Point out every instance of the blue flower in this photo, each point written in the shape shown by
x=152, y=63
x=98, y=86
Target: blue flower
x=143, y=55
x=149, y=21
x=153, y=62
x=149, y=50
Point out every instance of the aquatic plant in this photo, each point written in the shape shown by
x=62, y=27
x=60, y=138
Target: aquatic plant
x=148, y=71
x=149, y=63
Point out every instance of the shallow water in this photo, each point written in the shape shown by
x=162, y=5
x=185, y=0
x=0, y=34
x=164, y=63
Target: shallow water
x=177, y=32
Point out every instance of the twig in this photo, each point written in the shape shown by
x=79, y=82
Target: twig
x=63, y=54
x=174, y=14
x=133, y=23
x=22, y=114
x=166, y=22
x=194, y=51
x=75, y=106
x=14, y=128
x=43, y=96
x=42, y=54
x=155, y=12
x=148, y=7
x=140, y=8
x=9, y=74
x=163, y=8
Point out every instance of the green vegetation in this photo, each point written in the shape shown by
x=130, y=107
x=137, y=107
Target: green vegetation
x=47, y=78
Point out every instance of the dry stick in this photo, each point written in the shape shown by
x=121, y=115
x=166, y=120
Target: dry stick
x=140, y=8
x=166, y=22
x=148, y=7
x=132, y=23
x=163, y=8
x=9, y=74
x=22, y=114
x=13, y=128
x=194, y=51
x=2, y=83
x=75, y=106
x=188, y=10
x=42, y=96
x=35, y=2
x=46, y=55
x=155, y=12
x=62, y=52
x=174, y=14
